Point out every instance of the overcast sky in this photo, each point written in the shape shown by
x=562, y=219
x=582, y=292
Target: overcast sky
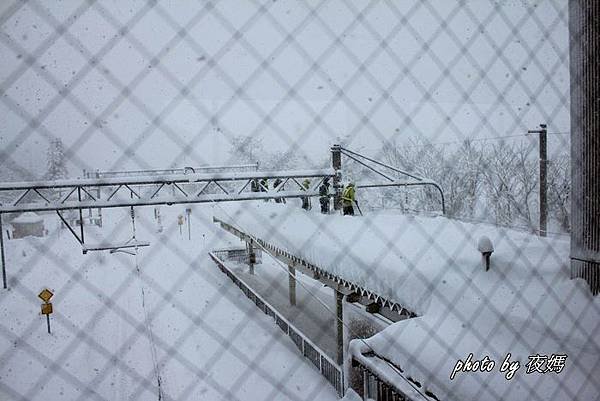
x=144, y=85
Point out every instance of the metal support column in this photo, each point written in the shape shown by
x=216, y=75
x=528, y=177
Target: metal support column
x=339, y=305
x=336, y=162
x=543, y=149
x=543, y=179
x=292, y=284
x=80, y=216
x=251, y=257
x=4, y=283
x=584, y=30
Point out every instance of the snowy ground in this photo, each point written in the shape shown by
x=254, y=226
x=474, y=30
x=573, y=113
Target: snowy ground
x=118, y=332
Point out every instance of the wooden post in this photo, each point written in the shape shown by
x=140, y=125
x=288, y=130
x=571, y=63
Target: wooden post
x=339, y=298
x=292, y=284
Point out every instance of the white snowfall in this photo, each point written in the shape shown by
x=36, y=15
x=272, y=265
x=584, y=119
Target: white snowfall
x=192, y=330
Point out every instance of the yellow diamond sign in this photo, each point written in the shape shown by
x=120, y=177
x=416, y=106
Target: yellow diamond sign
x=46, y=294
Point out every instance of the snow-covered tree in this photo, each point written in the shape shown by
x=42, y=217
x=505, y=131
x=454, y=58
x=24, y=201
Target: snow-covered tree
x=493, y=181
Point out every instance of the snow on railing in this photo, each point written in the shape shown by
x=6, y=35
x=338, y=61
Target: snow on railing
x=327, y=367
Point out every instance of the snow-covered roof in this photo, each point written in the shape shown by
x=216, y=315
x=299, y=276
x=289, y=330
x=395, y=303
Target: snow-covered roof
x=403, y=258
x=562, y=321
x=27, y=218
x=525, y=305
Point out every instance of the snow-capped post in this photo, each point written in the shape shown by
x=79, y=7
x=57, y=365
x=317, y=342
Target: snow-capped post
x=336, y=162
x=188, y=212
x=543, y=132
x=584, y=32
x=2, y=254
x=292, y=284
x=485, y=246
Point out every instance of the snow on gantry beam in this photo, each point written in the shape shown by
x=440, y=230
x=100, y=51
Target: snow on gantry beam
x=165, y=179
x=164, y=200
x=156, y=190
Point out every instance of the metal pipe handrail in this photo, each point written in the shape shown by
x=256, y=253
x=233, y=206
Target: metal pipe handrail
x=125, y=173
x=409, y=184
x=280, y=316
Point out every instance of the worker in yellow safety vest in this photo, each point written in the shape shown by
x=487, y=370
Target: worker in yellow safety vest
x=348, y=199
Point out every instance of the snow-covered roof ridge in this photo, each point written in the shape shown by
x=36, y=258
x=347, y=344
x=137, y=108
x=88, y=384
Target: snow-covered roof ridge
x=27, y=218
x=428, y=348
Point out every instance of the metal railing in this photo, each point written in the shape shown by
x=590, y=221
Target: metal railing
x=239, y=255
x=183, y=170
x=373, y=387
x=326, y=366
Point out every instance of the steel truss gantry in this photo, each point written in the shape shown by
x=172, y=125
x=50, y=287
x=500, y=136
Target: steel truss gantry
x=101, y=190
x=171, y=189
x=154, y=190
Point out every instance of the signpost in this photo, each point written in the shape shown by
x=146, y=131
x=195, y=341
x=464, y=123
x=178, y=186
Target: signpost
x=180, y=223
x=45, y=296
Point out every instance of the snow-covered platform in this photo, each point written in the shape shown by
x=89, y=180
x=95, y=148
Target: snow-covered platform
x=525, y=305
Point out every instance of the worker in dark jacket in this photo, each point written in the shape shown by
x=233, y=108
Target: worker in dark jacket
x=264, y=186
x=275, y=185
x=324, y=196
x=348, y=199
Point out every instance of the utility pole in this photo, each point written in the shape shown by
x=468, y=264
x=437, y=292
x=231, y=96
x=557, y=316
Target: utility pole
x=543, y=147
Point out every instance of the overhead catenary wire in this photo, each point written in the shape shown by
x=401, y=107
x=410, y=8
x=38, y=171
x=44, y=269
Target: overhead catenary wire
x=486, y=139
